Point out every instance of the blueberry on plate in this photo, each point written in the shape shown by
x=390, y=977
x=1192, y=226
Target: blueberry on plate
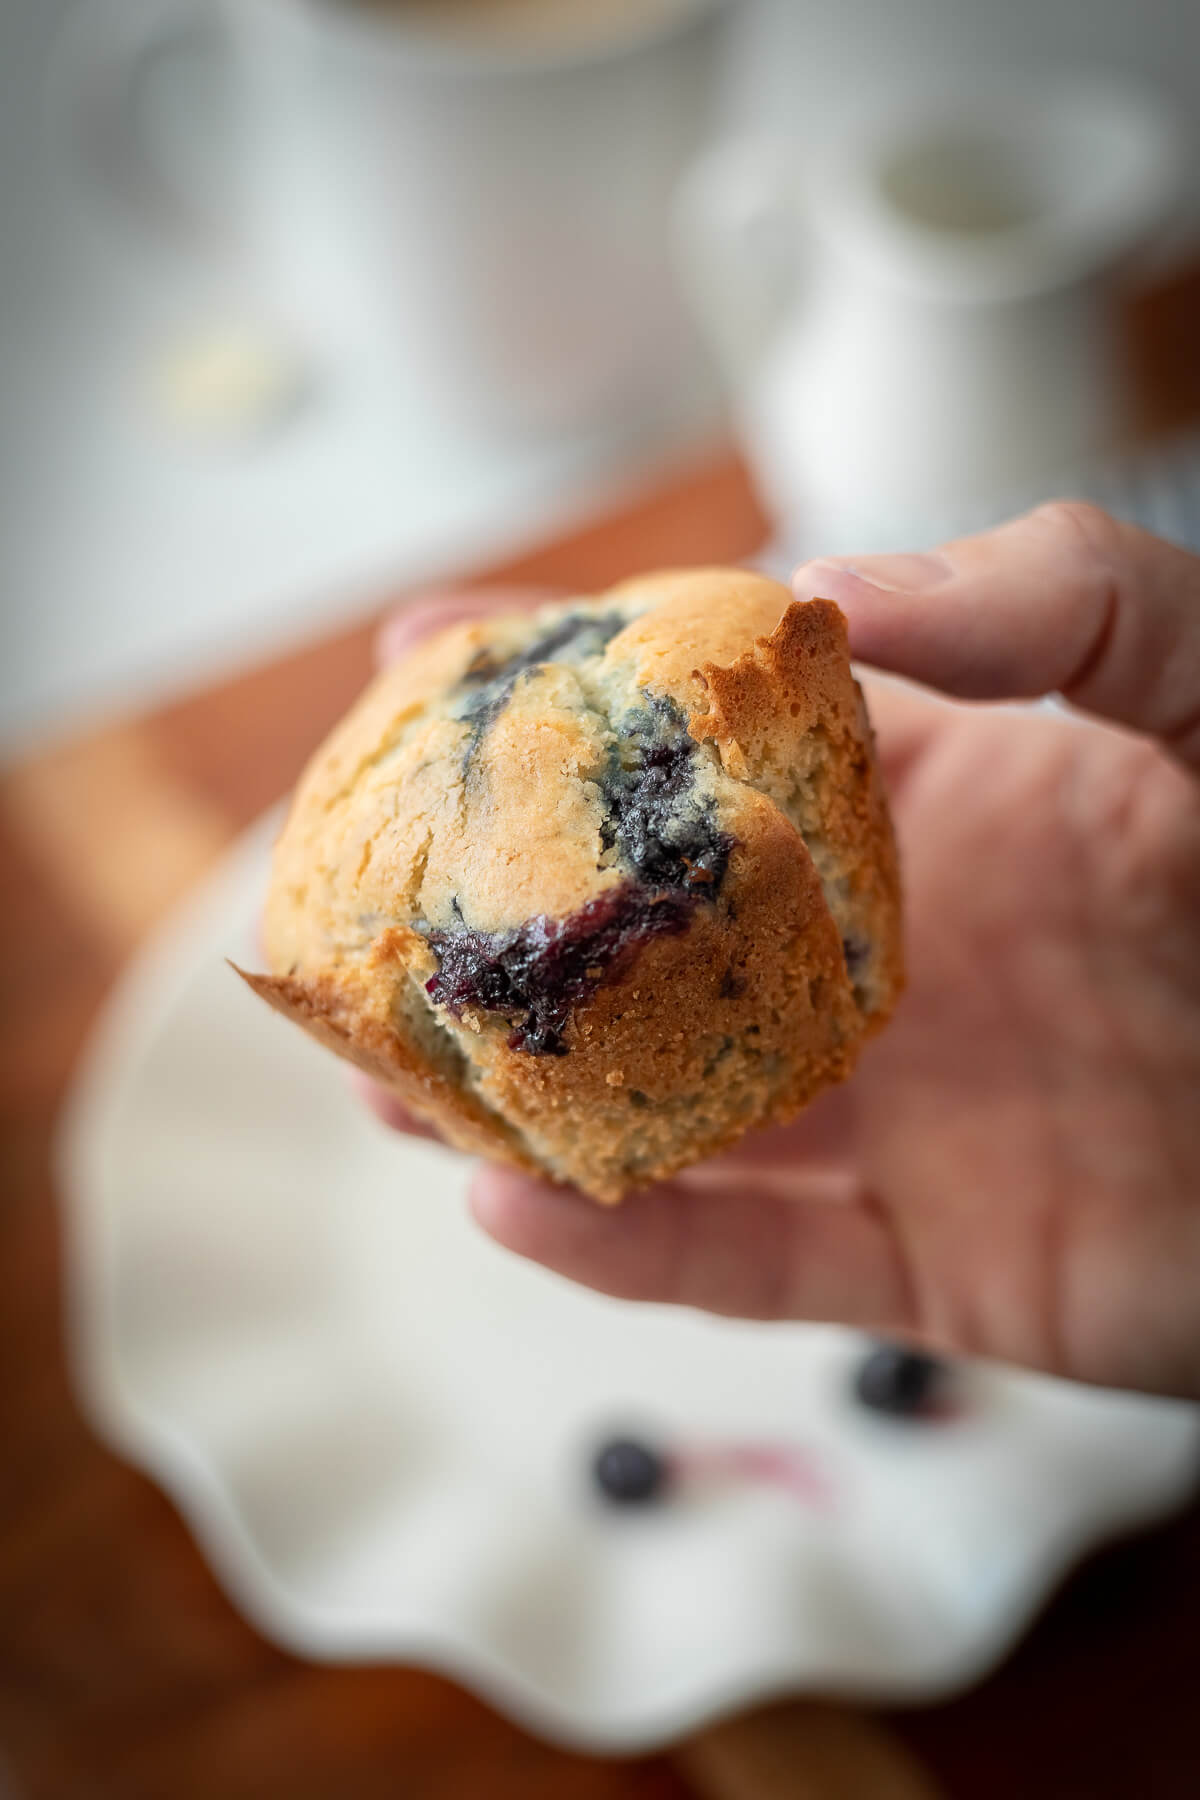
x=892, y=1379
x=629, y=1473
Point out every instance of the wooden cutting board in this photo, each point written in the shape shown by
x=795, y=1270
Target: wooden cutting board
x=124, y=1672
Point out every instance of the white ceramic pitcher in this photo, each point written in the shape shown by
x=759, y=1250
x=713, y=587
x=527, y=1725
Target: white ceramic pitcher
x=921, y=317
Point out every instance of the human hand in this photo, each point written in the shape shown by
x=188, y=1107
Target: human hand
x=1014, y=1171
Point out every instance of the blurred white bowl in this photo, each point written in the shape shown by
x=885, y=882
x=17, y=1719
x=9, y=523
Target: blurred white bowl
x=378, y=1423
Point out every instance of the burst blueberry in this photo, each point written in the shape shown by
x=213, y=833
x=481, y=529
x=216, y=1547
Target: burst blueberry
x=537, y=973
x=664, y=832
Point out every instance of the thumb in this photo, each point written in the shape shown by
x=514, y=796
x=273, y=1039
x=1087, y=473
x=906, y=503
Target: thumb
x=1064, y=600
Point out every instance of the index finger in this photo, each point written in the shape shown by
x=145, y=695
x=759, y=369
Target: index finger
x=1064, y=600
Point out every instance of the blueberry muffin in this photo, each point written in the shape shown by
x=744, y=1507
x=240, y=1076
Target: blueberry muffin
x=598, y=888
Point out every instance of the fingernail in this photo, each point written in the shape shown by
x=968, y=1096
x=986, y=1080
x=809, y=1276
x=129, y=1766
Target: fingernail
x=908, y=572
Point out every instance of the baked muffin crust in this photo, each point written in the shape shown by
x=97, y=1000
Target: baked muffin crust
x=597, y=889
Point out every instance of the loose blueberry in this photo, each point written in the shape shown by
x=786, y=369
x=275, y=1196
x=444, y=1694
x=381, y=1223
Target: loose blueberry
x=629, y=1473
x=901, y=1382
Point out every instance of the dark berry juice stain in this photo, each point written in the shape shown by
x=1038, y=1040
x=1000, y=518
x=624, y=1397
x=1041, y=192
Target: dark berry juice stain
x=535, y=974
x=856, y=951
x=492, y=680
x=628, y=1472
x=733, y=986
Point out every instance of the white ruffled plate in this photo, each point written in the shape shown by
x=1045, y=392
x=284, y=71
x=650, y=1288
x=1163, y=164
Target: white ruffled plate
x=378, y=1423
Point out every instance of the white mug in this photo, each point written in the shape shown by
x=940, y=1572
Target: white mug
x=492, y=221
x=921, y=318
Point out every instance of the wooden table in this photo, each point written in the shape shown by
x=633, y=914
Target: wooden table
x=124, y=1672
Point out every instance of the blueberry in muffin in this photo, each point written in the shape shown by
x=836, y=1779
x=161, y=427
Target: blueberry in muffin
x=599, y=888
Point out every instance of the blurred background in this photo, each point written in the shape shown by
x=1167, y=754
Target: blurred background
x=310, y=305
x=227, y=413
